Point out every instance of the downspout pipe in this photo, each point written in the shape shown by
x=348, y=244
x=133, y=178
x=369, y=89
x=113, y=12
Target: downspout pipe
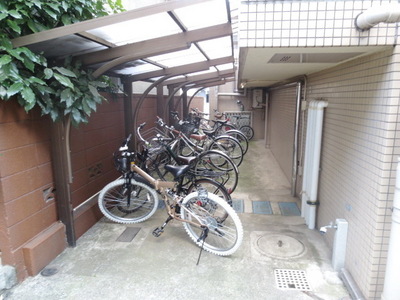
x=320, y=105
x=389, y=13
x=296, y=138
x=391, y=287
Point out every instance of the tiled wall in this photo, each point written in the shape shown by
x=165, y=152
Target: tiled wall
x=308, y=24
x=359, y=155
x=359, y=148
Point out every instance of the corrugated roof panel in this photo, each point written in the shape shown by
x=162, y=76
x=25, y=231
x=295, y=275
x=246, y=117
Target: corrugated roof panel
x=137, y=30
x=203, y=15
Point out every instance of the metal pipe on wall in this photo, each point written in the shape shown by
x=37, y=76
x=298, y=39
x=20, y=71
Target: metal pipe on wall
x=389, y=13
x=312, y=160
x=296, y=138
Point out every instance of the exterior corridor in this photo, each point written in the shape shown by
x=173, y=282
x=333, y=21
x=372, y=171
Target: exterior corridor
x=102, y=266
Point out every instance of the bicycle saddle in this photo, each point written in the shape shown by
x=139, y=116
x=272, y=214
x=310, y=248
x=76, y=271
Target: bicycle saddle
x=177, y=171
x=198, y=137
x=185, y=160
x=221, y=121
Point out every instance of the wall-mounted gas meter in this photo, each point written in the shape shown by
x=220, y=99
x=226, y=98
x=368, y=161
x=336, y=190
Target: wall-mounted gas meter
x=258, y=98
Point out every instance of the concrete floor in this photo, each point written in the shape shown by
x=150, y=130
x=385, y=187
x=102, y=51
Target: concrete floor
x=100, y=267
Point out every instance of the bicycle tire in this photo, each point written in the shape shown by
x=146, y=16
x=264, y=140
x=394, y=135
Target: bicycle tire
x=184, y=150
x=212, y=187
x=225, y=127
x=241, y=137
x=155, y=164
x=218, y=166
x=225, y=233
x=230, y=146
x=248, y=131
x=112, y=201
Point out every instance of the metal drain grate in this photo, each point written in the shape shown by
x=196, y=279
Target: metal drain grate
x=292, y=280
x=128, y=235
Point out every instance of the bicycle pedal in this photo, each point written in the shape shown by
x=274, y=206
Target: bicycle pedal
x=157, y=232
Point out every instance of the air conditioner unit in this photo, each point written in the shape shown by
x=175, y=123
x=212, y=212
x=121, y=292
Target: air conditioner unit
x=258, y=98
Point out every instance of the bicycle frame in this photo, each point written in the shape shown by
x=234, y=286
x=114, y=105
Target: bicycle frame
x=164, y=187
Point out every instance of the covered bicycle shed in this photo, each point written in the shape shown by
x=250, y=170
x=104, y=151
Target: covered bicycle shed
x=172, y=46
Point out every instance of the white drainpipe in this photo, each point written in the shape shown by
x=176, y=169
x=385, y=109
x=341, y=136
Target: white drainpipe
x=312, y=160
x=391, y=288
x=389, y=13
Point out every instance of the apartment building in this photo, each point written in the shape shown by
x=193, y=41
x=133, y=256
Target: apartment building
x=346, y=55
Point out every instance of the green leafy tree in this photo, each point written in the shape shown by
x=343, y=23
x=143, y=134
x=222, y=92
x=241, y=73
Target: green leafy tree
x=58, y=90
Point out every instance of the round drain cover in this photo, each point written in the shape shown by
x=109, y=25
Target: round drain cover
x=280, y=246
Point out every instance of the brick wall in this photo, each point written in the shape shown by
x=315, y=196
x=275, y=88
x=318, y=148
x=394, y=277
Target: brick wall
x=27, y=204
x=30, y=233
x=92, y=146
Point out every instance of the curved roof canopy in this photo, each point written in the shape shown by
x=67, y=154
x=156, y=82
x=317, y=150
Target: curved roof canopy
x=189, y=39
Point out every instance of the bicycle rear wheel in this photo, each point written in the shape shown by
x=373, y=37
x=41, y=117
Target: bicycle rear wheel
x=241, y=137
x=211, y=213
x=230, y=146
x=248, y=131
x=128, y=202
x=217, y=166
x=212, y=187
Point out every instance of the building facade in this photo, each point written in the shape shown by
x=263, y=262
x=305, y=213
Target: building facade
x=360, y=138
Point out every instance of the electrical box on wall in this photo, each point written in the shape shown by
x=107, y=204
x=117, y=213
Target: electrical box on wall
x=258, y=98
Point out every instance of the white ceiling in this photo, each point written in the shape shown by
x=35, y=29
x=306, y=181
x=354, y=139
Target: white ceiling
x=263, y=67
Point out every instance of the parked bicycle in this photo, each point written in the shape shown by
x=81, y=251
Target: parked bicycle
x=208, y=139
x=219, y=127
x=212, y=164
x=235, y=123
x=153, y=160
x=208, y=220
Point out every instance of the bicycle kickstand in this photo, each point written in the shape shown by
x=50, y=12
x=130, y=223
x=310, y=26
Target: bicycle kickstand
x=159, y=230
x=202, y=237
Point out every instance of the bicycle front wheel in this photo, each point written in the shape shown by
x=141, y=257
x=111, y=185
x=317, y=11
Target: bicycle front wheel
x=215, y=221
x=128, y=202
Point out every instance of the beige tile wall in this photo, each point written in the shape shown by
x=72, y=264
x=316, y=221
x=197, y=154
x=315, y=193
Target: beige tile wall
x=308, y=24
x=360, y=138
x=359, y=152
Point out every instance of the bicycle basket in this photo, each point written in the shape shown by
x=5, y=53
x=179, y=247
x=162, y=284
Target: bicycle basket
x=122, y=162
x=187, y=128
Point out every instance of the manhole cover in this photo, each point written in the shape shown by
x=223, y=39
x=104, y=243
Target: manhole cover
x=280, y=246
x=292, y=280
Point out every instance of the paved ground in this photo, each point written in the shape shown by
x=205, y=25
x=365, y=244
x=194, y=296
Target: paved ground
x=279, y=258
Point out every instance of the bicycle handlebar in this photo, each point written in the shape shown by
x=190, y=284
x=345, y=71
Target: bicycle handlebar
x=138, y=133
x=196, y=110
x=125, y=143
